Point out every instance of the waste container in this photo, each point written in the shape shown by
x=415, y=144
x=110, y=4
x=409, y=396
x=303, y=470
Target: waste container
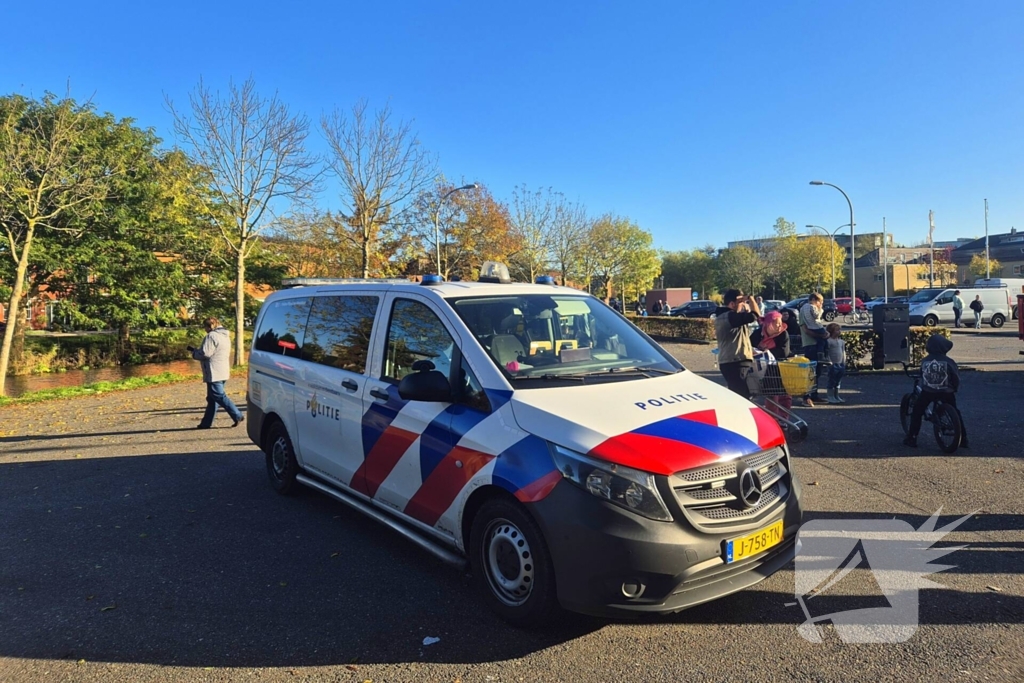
x=891, y=323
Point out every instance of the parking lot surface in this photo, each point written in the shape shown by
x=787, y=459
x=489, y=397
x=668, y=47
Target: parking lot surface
x=138, y=549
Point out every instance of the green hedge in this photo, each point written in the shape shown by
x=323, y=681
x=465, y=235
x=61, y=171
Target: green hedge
x=699, y=329
x=859, y=344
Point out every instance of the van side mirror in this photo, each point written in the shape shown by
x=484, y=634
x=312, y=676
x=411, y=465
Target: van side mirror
x=425, y=385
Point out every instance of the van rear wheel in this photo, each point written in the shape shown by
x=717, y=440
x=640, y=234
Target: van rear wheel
x=511, y=564
x=997, y=320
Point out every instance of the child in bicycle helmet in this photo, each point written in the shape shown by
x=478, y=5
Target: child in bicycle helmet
x=940, y=379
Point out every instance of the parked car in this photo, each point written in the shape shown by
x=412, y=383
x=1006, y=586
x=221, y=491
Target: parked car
x=881, y=300
x=828, y=310
x=508, y=428
x=696, y=309
x=773, y=305
x=843, y=305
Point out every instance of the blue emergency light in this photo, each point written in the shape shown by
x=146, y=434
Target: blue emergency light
x=544, y=280
x=432, y=280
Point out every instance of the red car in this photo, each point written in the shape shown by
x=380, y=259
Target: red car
x=843, y=305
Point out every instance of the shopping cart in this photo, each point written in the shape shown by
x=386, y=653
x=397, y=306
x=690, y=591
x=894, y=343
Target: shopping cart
x=772, y=385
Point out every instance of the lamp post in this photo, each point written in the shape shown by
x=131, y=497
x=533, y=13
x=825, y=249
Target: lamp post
x=832, y=250
x=853, y=244
x=437, y=218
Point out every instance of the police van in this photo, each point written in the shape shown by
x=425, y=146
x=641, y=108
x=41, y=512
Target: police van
x=527, y=431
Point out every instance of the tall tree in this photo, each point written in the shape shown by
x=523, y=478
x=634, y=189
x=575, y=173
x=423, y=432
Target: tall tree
x=623, y=254
x=382, y=168
x=694, y=268
x=741, y=267
x=533, y=218
x=255, y=151
x=473, y=227
x=47, y=174
x=980, y=268
x=568, y=230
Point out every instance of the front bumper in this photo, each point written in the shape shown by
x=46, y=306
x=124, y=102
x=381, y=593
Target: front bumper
x=601, y=552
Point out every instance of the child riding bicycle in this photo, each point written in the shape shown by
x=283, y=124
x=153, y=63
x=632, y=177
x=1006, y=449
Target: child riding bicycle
x=940, y=379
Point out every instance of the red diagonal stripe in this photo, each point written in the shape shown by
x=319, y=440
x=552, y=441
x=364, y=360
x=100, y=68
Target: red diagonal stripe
x=439, y=490
x=539, y=489
x=381, y=459
x=769, y=434
x=708, y=417
x=653, y=454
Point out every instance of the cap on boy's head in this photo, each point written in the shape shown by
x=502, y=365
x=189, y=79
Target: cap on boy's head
x=732, y=295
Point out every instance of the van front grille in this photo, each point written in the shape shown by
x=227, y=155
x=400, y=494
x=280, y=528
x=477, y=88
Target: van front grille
x=709, y=495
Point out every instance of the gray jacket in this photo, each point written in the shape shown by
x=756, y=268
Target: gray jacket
x=733, y=333
x=214, y=355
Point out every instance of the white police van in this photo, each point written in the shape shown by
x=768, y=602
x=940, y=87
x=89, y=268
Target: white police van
x=525, y=429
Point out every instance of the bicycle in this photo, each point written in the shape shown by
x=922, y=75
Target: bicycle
x=861, y=315
x=945, y=419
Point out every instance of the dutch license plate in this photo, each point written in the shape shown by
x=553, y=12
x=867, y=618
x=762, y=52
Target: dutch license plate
x=751, y=544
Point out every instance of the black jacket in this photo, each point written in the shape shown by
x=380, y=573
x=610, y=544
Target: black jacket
x=976, y=305
x=939, y=373
x=781, y=350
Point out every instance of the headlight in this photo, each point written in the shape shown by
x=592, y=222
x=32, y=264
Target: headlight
x=623, y=486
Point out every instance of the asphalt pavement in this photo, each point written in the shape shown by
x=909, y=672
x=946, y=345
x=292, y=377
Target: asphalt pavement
x=138, y=549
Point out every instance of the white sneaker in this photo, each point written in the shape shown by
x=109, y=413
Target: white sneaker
x=832, y=400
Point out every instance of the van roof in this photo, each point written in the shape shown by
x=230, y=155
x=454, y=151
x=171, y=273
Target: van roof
x=444, y=290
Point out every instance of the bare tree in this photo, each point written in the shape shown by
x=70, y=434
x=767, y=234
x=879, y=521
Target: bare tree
x=533, y=218
x=382, y=169
x=255, y=150
x=568, y=230
x=47, y=171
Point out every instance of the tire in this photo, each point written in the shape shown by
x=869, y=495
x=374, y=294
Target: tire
x=797, y=434
x=828, y=316
x=930, y=321
x=997, y=320
x=906, y=408
x=282, y=466
x=948, y=429
x=505, y=541
x=849, y=318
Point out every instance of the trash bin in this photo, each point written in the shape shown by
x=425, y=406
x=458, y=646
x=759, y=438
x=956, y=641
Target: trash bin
x=891, y=324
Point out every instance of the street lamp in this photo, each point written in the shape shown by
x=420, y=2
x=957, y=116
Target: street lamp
x=437, y=218
x=832, y=249
x=853, y=245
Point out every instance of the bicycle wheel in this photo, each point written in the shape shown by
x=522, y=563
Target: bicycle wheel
x=906, y=408
x=849, y=318
x=947, y=427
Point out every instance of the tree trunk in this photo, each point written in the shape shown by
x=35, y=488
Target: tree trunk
x=240, y=306
x=14, y=306
x=366, y=253
x=124, y=334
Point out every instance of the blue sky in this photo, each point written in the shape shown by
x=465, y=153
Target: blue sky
x=702, y=121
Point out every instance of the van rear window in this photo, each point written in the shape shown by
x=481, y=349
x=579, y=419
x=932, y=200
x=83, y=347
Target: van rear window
x=282, y=326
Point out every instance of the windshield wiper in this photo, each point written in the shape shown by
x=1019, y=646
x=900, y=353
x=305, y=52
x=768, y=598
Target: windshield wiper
x=644, y=371
x=573, y=377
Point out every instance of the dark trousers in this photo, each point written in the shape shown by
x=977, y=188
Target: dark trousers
x=957, y=312
x=215, y=396
x=736, y=375
x=926, y=399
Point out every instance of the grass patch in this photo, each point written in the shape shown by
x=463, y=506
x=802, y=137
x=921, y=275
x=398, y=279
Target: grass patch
x=98, y=388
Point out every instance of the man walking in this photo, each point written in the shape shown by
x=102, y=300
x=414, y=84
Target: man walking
x=958, y=308
x=214, y=356
x=977, y=307
x=732, y=329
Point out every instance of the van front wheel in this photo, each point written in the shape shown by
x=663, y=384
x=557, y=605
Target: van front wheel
x=931, y=321
x=511, y=563
x=282, y=466
x=997, y=320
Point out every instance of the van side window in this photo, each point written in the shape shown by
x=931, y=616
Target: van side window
x=470, y=391
x=338, y=331
x=282, y=326
x=416, y=333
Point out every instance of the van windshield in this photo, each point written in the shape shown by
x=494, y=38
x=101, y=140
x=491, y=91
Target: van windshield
x=558, y=336
x=926, y=295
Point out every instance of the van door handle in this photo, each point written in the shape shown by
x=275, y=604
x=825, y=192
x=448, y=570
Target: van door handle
x=377, y=392
x=350, y=384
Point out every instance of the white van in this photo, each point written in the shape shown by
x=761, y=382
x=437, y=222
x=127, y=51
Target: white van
x=528, y=431
x=1014, y=284
x=935, y=305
